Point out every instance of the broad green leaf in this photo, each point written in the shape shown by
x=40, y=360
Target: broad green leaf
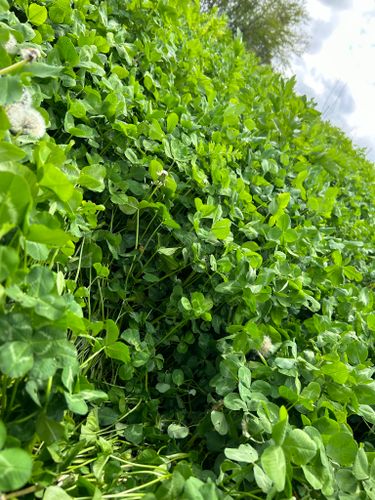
x=10, y=90
x=178, y=376
x=337, y=370
x=51, y=237
x=371, y=321
x=279, y=428
x=172, y=121
x=155, y=131
x=49, y=430
x=10, y=152
x=262, y=480
x=56, y=493
x=177, y=431
x=15, y=469
x=219, y=422
x=37, y=14
x=342, y=449
x=232, y=401
x=360, y=466
x=43, y=70
x=9, y=261
x=55, y=180
x=119, y=351
x=76, y=403
x=221, y=229
x=134, y=433
x=274, y=465
x=67, y=51
x=92, y=177
x=300, y=447
x=244, y=453
x=15, y=197
x=16, y=358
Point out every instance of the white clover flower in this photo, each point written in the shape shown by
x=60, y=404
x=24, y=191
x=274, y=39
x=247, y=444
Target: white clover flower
x=267, y=347
x=25, y=120
x=11, y=45
x=30, y=54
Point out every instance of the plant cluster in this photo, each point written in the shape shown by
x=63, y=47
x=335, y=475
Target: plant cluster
x=186, y=265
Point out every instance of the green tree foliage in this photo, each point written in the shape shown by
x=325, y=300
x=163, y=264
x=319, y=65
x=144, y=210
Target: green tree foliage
x=271, y=28
x=186, y=266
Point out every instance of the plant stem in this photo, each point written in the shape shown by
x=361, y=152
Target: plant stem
x=12, y=67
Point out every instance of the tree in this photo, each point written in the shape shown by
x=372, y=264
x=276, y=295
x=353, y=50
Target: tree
x=271, y=28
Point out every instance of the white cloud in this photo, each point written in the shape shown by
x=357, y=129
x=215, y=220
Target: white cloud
x=337, y=71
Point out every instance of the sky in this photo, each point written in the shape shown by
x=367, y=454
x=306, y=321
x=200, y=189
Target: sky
x=338, y=68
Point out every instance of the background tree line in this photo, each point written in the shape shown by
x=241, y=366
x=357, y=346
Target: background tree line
x=273, y=29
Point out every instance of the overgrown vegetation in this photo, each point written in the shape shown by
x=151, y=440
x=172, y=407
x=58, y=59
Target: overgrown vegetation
x=186, y=266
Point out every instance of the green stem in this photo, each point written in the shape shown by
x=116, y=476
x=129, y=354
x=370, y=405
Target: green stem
x=91, y=357
x=13, y=395
x=4, y=387
x=12, y=67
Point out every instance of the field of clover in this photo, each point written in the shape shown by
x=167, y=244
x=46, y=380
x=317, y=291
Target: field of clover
x=186, y=266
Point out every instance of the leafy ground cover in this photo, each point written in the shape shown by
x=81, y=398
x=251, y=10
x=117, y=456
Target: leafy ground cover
x=186, y=266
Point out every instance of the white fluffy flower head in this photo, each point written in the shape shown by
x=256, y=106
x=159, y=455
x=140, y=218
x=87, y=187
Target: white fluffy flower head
x=30, y=54
x=11, y=45
x=24, y=119
x=267, y=347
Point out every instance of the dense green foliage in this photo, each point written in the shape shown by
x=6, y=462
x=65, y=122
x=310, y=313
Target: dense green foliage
x=185, y=264
x=273, y=29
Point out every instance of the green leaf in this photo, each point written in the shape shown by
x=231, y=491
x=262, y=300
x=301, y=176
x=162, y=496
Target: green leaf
x=352, y=273
x=9, y=261
x=10, y=90
x=172, y=121
x=10, y=152
x=76, y=403
x=155, y=131
x=43, y=234
x=371, y=321
x=134, y=433
x=178, y=377
x=300, y=447
x=67, y=51
x=274, y=465
x=15, y=197
x=56, y=493
x=360, y=466
x=37, y=14
x=337, y=370
x=15, y=469
x=262, y=480
x=43, y=70
x=16, y=358
x=119, y=351
x=279, y=428
x=342, y=448
x=177, y=431
x=219, y=422
x=244, y=453
x=55, y=180
x=49, y=430
x=232, y=401
x=221, y=229
x=92, y=177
